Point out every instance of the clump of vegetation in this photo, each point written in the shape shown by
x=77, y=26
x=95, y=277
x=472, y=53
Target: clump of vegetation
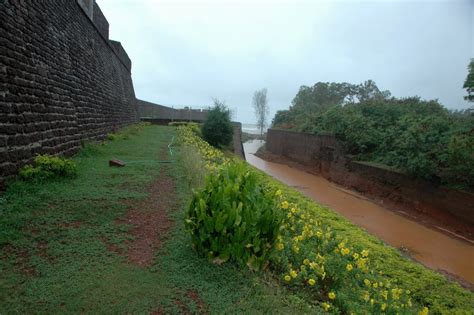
x=340, y=266
x=419, y=137
x=233, y=218
x=47, y=166
x=217, y=128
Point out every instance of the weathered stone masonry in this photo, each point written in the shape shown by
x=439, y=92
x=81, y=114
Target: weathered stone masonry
x=61, y=79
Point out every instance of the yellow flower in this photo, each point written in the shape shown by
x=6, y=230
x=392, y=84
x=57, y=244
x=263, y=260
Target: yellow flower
x=306, y=262
x=331, y=295
x=293, y=274
x=365, y=253
x=293, y=210
x=383, y=307
x=326, y=306
x=375, y=285
x=311, y=282
x=356, y=256
x=285, y=204
x=367, y=282
x=424, y=311
x=287, y=278
x=280, y=246
x=349, y=267
x=278, y=193
x=366, y=296
x=345, y=251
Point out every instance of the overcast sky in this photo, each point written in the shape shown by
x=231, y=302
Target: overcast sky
x=188, y=52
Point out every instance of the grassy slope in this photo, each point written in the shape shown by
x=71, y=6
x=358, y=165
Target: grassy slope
x=428, y=287
x=53, y=256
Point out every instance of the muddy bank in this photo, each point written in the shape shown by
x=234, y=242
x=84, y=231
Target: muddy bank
x=431, y=247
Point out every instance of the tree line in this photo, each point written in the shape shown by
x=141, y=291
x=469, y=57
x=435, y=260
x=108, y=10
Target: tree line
x=419, y=137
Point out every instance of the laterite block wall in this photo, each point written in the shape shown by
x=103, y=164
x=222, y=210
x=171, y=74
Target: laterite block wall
x=61, y=79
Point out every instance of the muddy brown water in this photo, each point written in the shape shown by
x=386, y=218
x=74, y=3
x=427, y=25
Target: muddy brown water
x=431, y=248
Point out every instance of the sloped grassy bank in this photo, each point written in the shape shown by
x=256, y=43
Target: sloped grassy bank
x=315, y=251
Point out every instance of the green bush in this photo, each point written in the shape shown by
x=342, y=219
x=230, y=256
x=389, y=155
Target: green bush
x=217, y=129
x=47, y=166
x=233, y=218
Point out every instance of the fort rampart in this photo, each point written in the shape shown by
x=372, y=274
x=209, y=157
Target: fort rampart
x=62, y=81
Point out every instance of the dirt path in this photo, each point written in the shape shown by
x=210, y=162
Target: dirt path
x=149, y=218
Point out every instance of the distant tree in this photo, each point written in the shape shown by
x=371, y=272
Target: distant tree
x=260, y=105
x=369, y=91
x=469, y=83
x=217, y=128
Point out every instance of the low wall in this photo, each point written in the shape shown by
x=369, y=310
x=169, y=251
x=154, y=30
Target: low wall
x=159, y=113
x=324, y=155
x=237, y=140
x=61, y=80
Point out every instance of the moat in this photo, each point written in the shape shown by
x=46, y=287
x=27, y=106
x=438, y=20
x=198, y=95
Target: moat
x=433, y=249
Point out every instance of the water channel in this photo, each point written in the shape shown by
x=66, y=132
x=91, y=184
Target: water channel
x=432, y=248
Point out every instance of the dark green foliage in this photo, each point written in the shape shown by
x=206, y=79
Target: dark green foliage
x=47, y=166
x=419, y=137
x=469, y=83
x=217, y=130
x=234, y=218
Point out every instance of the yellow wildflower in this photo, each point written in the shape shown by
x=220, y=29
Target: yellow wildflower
x=311, y=282
x=356, y=256
x=383, y=307
x=424, y=311
x=280, y=246
x=287, y=278
x=306, y=262
x=331, y=295
x=345, y=251
x=366, y=296
x=349, y=267
x=367, y=282
x=285, y=204
x=375, y=285
x=293, y=274
x=278, y=193
x=326, y=306
x=365, y=253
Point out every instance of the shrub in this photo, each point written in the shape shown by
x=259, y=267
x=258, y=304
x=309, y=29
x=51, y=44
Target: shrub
x=47, y=166
x=217, y=128
x=233, y=218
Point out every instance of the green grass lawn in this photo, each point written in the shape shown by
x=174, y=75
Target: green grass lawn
x=54, y=239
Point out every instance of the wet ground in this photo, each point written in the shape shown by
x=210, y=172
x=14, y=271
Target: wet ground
x=432, y=248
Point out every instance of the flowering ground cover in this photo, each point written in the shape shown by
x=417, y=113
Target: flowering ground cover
x=320, y=254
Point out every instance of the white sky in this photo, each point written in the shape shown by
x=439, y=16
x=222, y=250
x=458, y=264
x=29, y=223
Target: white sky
x=188, y=52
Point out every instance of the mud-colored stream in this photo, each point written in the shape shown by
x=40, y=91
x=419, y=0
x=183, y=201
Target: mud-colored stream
x=432, y=248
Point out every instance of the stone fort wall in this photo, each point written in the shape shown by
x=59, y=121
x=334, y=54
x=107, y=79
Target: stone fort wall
x=62, y=80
